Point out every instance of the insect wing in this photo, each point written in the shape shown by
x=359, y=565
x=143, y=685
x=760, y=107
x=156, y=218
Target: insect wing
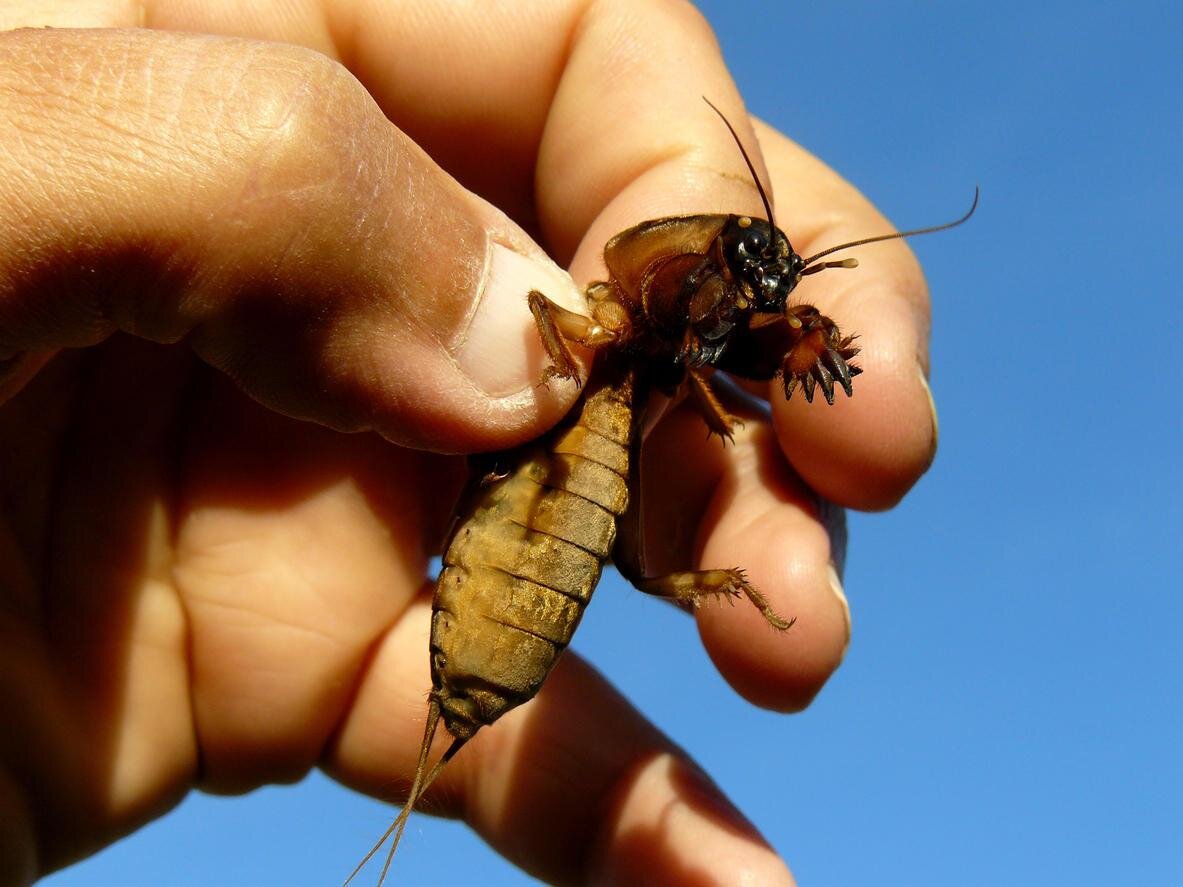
x=630, y=254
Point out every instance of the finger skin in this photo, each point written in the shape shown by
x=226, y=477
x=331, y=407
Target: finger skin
x=593, y=178
x=95, y=678
x=548, y=786
x=585, y=104
x=846, y=454
x=717, y=507
x=710, y=506
x=296, y=549
x=349, y=338
x=196, y=608
x=186, y=187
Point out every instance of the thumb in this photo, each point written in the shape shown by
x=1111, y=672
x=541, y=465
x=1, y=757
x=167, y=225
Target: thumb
x=252, y=199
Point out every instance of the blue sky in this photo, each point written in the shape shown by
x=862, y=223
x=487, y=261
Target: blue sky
x=1010, y=710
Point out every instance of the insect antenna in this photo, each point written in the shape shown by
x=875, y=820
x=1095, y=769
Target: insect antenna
x=810, y=268
x=418, y=788
x=752, y=170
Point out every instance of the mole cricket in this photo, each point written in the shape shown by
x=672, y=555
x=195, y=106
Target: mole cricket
x=533, y=530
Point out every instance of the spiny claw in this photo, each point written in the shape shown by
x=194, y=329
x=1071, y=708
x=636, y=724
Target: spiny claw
x=725, y=430
x=821, y=356
x=790, y=385
x=840, y=369
x=825, y=380
x=809, y=383
x=725, y=435
x=569, y=374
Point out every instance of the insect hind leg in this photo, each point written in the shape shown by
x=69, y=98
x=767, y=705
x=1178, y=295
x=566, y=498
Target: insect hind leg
x=708, y=405
x=688, y=588
x=691, y=587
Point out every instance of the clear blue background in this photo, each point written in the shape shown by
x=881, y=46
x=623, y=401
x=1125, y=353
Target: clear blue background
x=1010, y=709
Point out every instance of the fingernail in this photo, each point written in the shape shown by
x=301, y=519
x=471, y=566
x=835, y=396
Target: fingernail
x=932, y=412
x=836, y=588
x=496, y=349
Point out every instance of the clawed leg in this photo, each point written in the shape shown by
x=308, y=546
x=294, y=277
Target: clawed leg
x=820, y=355
x=557, y=326
x=718, y=420
x=689, y=589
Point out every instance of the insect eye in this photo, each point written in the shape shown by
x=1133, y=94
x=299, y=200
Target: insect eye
x=762, y=258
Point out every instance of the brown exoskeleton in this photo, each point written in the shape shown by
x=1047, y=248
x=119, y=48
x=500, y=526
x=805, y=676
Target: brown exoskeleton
x=531, y=536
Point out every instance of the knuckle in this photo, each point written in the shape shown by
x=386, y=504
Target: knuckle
x=302, y=123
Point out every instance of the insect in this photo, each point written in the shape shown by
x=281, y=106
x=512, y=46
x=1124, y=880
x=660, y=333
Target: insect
x=536, y=525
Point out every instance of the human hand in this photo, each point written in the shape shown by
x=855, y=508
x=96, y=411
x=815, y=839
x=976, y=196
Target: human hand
x=200, y=591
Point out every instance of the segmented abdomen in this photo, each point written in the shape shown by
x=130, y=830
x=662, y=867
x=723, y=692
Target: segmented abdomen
x=524, y=561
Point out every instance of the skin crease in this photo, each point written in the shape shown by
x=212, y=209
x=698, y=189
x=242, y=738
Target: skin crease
x=220, y=253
